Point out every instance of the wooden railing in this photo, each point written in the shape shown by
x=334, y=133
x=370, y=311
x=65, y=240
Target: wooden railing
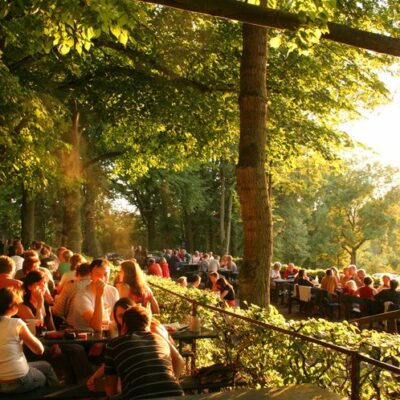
x=356, y=357
x=390, y=318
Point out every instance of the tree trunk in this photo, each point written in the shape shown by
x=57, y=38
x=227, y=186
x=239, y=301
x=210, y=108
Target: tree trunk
x=353, y=256
x=27, y=219
x=189, y=231
x=222, y=232
x=252, y=183
x=91, y=244
x=151, y=231
x=228, y=227
x=72, y=229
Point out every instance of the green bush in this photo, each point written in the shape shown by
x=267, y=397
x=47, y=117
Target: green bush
x=267, y=358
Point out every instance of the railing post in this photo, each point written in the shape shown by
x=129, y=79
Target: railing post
x=355, y=376
x=194, y=309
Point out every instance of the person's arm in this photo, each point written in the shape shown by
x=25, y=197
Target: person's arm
x=32, y=342
x=155, y=309
x=178, y=363
x=90, y=383
x=111, y=385
x=95, y=318
x=223, y=294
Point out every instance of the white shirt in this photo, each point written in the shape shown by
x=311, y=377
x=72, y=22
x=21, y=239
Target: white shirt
x=213, y=265
x=13, y=364
x=84, y=301
x=18, y=263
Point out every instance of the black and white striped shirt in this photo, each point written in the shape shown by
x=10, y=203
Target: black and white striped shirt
x=143, y=362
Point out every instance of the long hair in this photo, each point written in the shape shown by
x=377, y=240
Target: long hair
x=134, y=277
x=125, y=303
x=32, y=277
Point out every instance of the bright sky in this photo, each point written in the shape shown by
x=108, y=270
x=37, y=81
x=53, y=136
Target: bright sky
x=380, y=128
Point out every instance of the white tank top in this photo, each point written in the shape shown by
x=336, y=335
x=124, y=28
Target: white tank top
x=13, y=364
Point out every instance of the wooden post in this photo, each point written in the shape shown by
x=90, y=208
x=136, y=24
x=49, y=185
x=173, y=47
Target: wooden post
x=355, y=376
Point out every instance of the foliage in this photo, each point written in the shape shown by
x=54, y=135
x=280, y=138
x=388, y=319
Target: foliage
x=269, y=358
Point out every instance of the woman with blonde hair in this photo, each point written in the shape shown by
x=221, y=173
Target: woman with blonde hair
x=139, y=291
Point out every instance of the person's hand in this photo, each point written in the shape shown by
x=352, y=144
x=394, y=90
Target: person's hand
x=90, y=383
x=99, y=287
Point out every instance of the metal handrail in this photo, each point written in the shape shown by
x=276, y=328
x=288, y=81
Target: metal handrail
x=356, y=357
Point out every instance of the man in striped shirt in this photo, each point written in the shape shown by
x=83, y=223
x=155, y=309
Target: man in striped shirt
x=142, y=360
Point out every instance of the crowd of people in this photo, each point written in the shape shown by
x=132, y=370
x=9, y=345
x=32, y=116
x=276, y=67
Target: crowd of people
x=352, y=281
x=58, y=290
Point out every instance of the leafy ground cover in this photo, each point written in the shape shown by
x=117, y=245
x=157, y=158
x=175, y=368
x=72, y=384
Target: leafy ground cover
x=267, y=358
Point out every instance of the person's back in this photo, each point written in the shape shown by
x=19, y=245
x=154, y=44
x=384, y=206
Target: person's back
x=141, y=359
x=329, y=282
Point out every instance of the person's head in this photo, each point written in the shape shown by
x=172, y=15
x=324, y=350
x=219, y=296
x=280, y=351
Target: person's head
x=83, y=270
x=301, y=274
x=67, y=254
x=335, y=271
x=328, y=272
x=351, y=285
x=34, y=279
x=135, y=319
x=213, y=276
x=194, y=280
x=277, y=266
x=162, y=260
x=346, y=272
x=76, y=260
x=45, y=251
x=30, y=264
x=394, y=283
x=132, y=274
x=182, y=281
x=60, y=253
x=290, y=267
x=367, y=281
x=98, y=269
x=9, y=300
x=19, y=248
x=123, y=304
x=151, y=261
x=7, y=265
x=361, y=274
x=386, y=280
x=37, y=245
x=221, y=283
x=353, y=269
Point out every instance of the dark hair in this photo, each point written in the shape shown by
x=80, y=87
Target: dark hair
x=83, y=269
x=123, y=302
x=301, y=273
x=136, y=318
x=32, y=277
x=194, y=278
x=394, y=284
x=222, y=282
x=367, y=281
x=6, y=265
x=329, y=272
x=98, y=262
x=8, y=297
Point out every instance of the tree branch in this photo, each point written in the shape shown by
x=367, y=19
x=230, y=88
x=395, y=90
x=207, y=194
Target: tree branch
x=270, y=18
x=104, y=156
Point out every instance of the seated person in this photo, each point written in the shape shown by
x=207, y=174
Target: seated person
x=212, y=281
x=63, y=301
x=16, y=374
x=329, y=282
x=93, y=304
x=290, y=271
x=69, y=276
x=391, y=294
x=154, y=268
x=385, y=283
x=351, y=288
x=302, y=279
x=346, y=276
x=152, y=365
x=7, y=267
x=367, y=291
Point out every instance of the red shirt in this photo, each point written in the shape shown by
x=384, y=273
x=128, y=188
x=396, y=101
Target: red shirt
x=165, y=270
x=155, y=269
x=366, y=292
